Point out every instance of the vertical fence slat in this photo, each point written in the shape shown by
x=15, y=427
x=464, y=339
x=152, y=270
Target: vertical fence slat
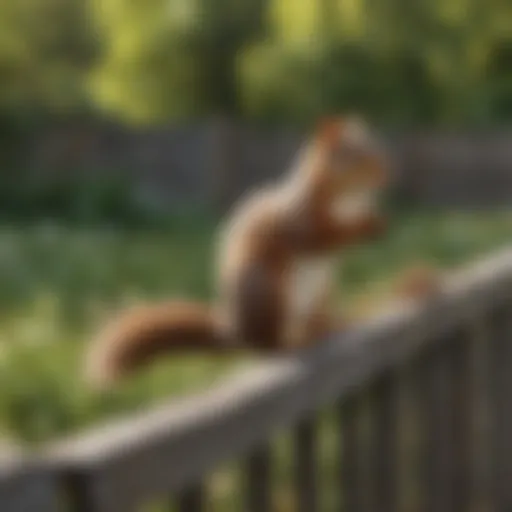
x=192, y=499
x=258, y=474
x=306, y=466
x=482, y=478
x=462, y=400
x=435, y=413
x=501, y=409
x=384, y=444
x=350, y=468
x=446, y=394
x=27, y=488
x=81, y=492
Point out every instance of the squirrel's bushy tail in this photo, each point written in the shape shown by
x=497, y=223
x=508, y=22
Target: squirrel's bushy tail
x=139, y=335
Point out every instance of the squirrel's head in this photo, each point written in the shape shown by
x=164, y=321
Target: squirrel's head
x=351, y=156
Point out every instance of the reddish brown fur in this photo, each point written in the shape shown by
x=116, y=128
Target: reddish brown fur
x=142, y=333
x=255, y=270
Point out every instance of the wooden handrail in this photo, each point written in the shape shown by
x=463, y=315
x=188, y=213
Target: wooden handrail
x=123, y=464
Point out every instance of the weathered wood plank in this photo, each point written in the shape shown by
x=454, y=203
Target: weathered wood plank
x=351, y=475
x=462, y=402
x=83, y=492
x=192, y=499
x=437, y=459
x=27, y=487
x=384, y=444
x=501, y=407
x=163, y=450
x=447, y=399
x=306, y=466
x=482, y=400
x=259, y=483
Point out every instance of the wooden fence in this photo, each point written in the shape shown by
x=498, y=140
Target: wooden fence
x=212, y=163
x=456, y=352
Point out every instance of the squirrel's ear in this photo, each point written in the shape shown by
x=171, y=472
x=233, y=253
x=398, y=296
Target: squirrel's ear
x=328, y=131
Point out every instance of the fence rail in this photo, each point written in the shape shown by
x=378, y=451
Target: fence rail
x=457, y=351
x=27, y=486
x=212, y=163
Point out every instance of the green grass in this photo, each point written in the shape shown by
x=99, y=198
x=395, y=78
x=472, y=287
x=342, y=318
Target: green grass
x=57, y=284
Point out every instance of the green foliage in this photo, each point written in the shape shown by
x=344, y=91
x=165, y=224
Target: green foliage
x=46, y=48
x=173, y=58
x=298, y=83
x=425, y=62
x=57, y=284
x=71, y=198
x=430, y=61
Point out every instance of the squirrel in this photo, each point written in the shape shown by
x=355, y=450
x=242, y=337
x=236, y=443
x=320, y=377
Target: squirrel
x=276, y=259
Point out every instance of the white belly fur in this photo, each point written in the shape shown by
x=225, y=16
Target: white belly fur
x=354, y=206
x=308, y=283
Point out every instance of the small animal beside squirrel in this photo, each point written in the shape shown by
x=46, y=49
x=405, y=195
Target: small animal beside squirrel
x=277, y=257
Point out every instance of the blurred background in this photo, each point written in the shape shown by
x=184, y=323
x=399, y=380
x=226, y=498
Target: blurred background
x=128, y=127
x=188, y=102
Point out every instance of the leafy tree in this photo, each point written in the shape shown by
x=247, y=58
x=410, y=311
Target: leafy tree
x=46, y=47
x=173, y=58
x=425, y=61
